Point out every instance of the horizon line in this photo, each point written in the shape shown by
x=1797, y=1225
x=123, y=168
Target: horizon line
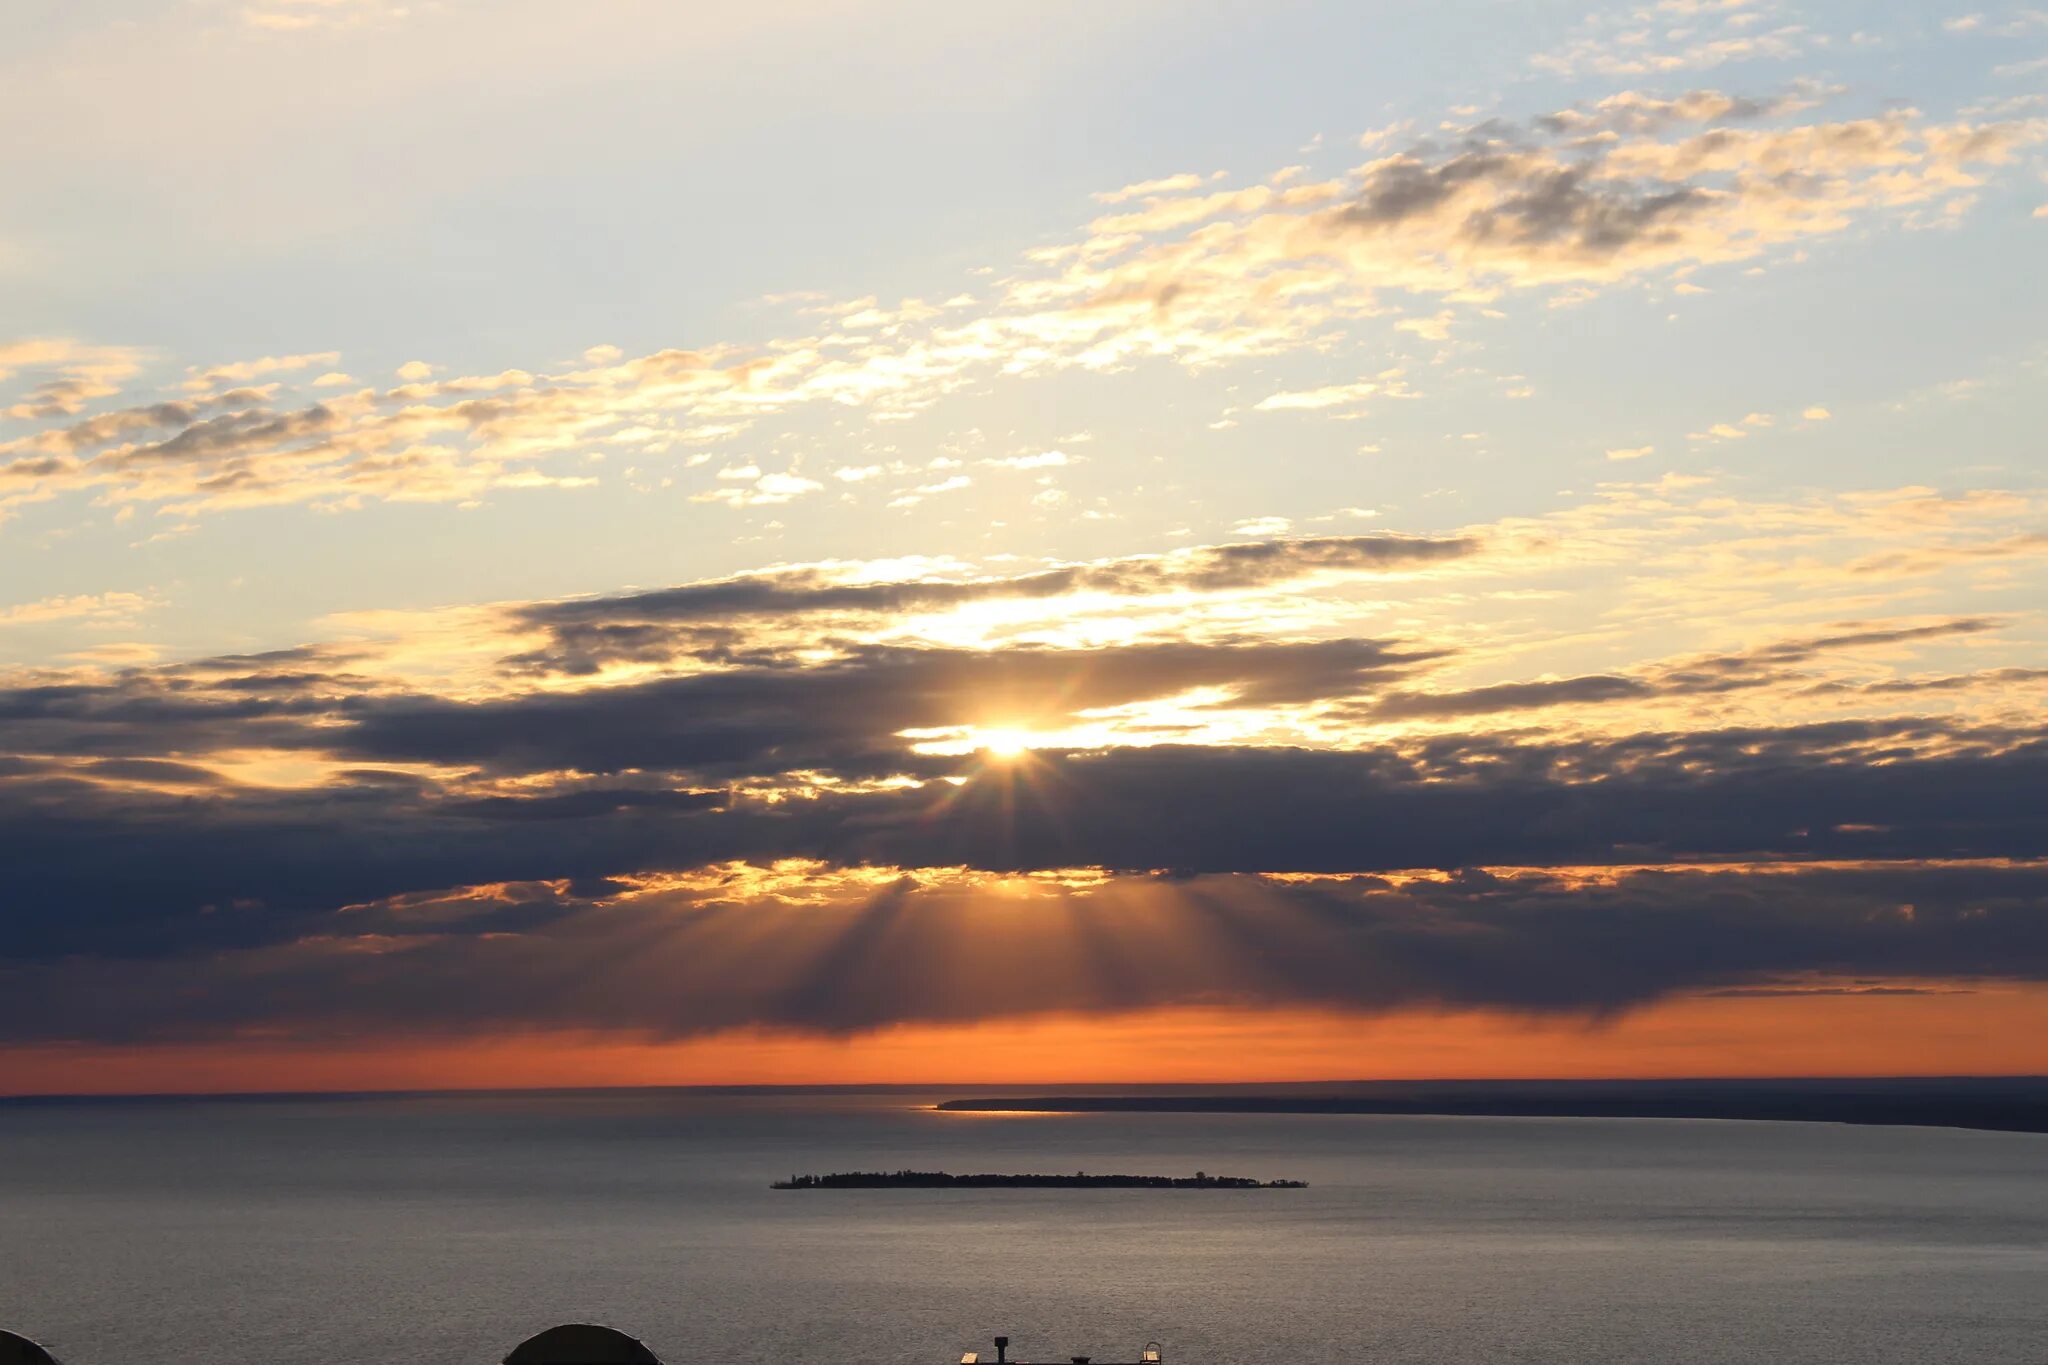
x=1044, y=1089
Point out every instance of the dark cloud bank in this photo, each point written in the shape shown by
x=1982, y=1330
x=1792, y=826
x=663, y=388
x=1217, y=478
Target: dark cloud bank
x=147, y=897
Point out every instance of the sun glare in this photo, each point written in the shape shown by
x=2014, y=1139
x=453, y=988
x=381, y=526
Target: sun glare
x=1003, y=744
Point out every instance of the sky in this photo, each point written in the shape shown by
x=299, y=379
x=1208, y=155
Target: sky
x=632, y=543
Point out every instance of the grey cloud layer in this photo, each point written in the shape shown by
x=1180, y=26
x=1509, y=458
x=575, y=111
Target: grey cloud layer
x=136, y=856
x=116, y=871
x=922, y=949
x=1763, y=666
x=755, y=719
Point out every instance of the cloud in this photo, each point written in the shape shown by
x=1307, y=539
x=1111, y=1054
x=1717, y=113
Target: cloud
x=1634, y=190
x=1170, y=184
x=1634, y=112
x=584, y=634
x=1772, y=664
x=756, y=489
x=1676, y=35
x=408, y=792
x=1310, y=400
x=242, y=371
x=1510, y=697
x=796, y=945
x=295, y=16
x=769, y=797
x=753, y=715
x=844, y=716
x=109, y=608
x=1045, y=459
x=68, y=375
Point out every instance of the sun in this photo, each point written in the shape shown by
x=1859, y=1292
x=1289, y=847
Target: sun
x=1003, y=744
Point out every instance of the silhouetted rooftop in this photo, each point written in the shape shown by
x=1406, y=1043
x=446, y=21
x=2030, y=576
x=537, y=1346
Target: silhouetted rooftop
x=582, y=1343
x=19, y=1350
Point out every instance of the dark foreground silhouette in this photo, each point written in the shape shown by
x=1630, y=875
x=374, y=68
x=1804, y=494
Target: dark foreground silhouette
x=582, y=1343
x=2008, y=1104
x=1079, y=1180
x=572, y=1343
x=19, y=1350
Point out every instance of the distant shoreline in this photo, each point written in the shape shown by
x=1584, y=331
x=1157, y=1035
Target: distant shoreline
x=2011, y=1106
x=1079, y=1180
x=1439, y=1097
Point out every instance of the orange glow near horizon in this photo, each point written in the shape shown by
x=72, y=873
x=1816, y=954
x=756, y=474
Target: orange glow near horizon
x=1993, y=1031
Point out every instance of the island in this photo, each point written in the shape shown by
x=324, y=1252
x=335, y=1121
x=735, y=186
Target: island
x=1079, y=1180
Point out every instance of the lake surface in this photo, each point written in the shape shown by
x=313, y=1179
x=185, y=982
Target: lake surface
x=447, y=1228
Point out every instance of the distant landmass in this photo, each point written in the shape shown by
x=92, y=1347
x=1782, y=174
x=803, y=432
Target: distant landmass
x=1079, y=1180
x=2005, y=1104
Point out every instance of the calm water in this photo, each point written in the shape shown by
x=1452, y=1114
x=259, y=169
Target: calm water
x=446, y=1229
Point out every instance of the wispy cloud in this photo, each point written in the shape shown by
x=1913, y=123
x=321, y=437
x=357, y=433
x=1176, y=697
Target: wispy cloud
x=1590, y=198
